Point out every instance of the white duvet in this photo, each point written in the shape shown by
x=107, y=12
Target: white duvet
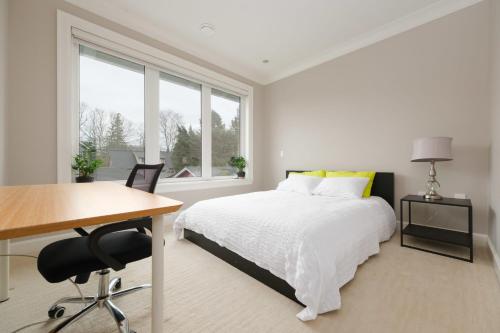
x=315, y=243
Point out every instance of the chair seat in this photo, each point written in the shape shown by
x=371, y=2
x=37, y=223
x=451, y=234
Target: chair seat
x=63, y=259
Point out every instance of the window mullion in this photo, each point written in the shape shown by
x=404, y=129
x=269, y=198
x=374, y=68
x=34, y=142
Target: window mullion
x=151, y=115
x=206, y=132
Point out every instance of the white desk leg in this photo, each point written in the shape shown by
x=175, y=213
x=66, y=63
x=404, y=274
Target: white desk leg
x=4, y=271
x=158, y=275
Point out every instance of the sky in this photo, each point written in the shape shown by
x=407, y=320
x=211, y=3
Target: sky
x=116, y=89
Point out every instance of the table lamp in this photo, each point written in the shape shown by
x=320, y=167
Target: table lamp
x=432, y=149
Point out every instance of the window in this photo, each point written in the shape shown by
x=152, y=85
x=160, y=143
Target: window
x=131, y=103
x=111, y=117
x=180, y=127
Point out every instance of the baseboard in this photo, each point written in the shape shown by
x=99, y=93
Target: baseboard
x=496, y=258
x=483, y=239
x=33, y=245
x=480, y=238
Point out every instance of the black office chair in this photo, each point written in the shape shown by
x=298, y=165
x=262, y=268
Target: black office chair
x=109, y=246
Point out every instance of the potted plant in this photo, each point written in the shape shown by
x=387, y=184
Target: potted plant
x=240, y=164
x=85, y=164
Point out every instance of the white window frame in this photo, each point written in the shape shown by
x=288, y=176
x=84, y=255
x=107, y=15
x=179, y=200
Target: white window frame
x=71, y=28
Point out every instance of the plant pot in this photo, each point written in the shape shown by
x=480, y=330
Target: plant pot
x=241, y=174
x=84, y=179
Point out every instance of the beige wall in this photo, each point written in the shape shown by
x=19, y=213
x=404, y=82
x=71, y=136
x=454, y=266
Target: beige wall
x=494, y=227
x=360, y=111
x=32, y=96
x=363, y=110
x=3, y=86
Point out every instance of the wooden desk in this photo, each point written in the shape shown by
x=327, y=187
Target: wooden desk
x=37, y=209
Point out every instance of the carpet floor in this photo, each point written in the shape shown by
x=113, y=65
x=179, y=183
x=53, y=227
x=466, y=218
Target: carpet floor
x=398, y=290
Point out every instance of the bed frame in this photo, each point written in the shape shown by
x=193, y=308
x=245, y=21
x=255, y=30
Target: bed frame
x=383, y=186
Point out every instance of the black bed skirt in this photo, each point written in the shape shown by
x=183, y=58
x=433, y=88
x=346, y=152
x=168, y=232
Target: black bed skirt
x=242, y=264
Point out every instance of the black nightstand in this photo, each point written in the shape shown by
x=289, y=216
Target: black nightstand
x=438, y=234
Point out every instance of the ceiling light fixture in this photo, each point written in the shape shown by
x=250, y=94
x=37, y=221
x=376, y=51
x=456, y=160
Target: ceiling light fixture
x=207, y=29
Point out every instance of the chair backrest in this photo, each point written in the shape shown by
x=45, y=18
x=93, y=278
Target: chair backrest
x=144, y=177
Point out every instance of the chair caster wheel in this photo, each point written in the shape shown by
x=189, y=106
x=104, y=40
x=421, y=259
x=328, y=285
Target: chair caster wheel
x=118, y=285
x=56, y=312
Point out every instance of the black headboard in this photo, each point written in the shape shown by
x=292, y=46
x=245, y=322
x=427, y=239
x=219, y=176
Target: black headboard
x=383, y=185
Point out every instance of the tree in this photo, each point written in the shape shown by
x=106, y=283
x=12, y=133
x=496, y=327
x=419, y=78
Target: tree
x=140, y=135
x=182, y=149
x=225, y=141
x=235, y=135
x=84, y=110
x=225, y=144
x=93, y=125
x=116, y=136
x=187, y=148
x=218, y=140
x=195, y=147
x=169, y=124
x=96, y=129
x=235, y=124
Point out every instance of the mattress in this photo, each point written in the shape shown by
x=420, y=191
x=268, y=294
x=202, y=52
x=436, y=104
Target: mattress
x=315, y=243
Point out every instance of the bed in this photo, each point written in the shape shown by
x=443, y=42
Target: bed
x=304, y=247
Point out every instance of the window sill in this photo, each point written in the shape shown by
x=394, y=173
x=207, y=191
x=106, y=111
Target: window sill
x=168, y=187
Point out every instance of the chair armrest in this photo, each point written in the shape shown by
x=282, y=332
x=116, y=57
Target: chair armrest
x=97, y=234
x=81, y=231
x=149, y=221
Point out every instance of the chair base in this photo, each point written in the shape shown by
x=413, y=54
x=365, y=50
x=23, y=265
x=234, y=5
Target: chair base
x=105, y=294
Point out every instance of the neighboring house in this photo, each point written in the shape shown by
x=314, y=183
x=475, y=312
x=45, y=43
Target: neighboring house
x=125, y=158
x=122, y=160
x=166, y=158
x=195, y=171
x=188, y=171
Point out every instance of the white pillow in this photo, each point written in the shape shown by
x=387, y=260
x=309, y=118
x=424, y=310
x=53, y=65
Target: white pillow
x=343, y=187
x=299, y=183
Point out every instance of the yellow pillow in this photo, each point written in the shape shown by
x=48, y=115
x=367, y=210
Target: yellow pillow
x=361, y=174
x=316, y=173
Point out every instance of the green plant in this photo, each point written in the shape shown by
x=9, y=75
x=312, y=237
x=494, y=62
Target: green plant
x=238, y=162
x=86, y=163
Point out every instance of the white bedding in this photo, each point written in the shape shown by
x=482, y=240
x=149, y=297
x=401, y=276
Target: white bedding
x=315, y=243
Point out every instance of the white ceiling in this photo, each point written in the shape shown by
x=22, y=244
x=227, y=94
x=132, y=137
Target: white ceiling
x=292, y=34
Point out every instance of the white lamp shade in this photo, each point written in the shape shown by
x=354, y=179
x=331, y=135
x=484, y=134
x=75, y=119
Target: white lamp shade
x=431, y=149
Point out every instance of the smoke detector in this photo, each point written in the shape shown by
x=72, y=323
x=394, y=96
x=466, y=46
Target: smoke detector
x=207, y=29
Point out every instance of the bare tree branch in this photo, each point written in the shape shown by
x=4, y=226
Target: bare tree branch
x=169, y=122
x=93, y=126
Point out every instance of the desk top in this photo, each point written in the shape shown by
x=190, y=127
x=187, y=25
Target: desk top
x=36, y=209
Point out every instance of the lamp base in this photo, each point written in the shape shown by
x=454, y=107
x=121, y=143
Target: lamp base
x=432, y=196
x=432, y=185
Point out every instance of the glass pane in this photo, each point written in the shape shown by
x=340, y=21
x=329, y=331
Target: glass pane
x=111, y=112
x=180, y=127
x=225, y=131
